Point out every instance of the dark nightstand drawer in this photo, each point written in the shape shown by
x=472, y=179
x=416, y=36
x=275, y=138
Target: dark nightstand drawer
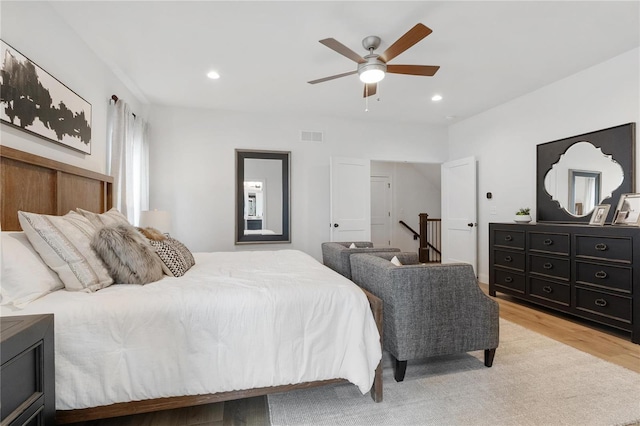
x=549, y=290
x=509, y=279
x=509, y=259
x=604, y=304
x=20, y=380
x=613, y=277
x=549, y=243
x=549, y=266
x=609, y=248
x=27, y=389
x=510, y=239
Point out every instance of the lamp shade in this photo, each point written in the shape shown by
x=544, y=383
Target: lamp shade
x=158, y=219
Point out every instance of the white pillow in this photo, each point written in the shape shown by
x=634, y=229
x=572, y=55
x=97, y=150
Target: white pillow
x=25, y=277
x=63, y=242
x=396, y=261
x=353, y=245
x=112, y=217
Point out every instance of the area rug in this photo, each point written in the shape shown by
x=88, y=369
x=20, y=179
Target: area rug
x=534, y=381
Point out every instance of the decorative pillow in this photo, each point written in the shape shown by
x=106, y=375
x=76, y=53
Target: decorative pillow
x=353, y=245
x=176, y=257
x=127, y=254
x=396, y=261
x=63, y=243
x=112, y=217
x=25, y=277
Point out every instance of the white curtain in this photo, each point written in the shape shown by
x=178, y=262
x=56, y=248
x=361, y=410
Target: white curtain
x=128, y=160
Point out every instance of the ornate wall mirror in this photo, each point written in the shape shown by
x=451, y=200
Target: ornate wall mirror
x=576, y=174
x=262, y=197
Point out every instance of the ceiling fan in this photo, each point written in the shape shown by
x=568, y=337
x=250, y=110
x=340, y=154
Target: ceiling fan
x=372, y=67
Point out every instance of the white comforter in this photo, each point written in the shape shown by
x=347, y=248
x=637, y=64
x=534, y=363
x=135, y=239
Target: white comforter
x=236, y=320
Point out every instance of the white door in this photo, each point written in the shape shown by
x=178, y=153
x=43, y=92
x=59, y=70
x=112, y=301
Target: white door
x=459, y=212
x=350, y=199
x=381, y=211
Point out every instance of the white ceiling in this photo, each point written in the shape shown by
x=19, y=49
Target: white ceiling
x=489, y=51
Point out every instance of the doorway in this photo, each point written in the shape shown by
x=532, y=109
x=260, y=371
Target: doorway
x=381, y=211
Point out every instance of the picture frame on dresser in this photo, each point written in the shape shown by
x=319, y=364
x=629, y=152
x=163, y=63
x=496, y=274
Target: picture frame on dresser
x=628, y=211
x=599, y=216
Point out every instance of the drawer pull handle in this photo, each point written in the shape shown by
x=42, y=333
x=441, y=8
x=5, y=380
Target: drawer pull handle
x=508, y=280
x=508, y=238
x=601, y=274
x=547, y=289
x=508, y=259
x=547, y=266
x=547, y=242
x=601, y=246
x=600, y=302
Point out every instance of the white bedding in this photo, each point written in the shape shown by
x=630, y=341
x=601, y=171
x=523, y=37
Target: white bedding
x=236, y=320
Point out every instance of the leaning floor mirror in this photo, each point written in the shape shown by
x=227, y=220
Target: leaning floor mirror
x=262, y=197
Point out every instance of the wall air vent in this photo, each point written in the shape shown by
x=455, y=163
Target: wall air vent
x=310, y=136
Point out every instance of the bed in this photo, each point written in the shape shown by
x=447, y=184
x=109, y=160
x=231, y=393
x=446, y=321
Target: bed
x=191, y=340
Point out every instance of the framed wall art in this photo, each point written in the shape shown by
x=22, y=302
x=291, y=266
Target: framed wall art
x=628, y=211
x=36, y=102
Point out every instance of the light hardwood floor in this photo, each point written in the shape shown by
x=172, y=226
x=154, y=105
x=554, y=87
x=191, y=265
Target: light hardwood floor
x=603, y=342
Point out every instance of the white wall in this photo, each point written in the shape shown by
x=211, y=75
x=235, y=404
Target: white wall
x=504, y=138
x=192, y=167
x=36, y=31
x=416, y=189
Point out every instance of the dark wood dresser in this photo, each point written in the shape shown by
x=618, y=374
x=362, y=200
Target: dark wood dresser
x=592, y=272
x=27, y=377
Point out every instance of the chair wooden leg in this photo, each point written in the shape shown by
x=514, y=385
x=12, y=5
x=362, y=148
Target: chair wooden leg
x=399, y=368
x=488, y=357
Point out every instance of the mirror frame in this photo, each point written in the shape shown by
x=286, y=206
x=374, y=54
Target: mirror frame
x=285, y=158
x=618, y=141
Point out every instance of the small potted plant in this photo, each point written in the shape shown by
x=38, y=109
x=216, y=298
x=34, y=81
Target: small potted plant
x=523, y=215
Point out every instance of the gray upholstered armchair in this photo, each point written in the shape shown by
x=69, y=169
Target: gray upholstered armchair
x=336, y=255
x=429, y=310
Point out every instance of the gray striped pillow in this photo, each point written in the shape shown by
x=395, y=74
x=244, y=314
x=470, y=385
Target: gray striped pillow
x=63, y=243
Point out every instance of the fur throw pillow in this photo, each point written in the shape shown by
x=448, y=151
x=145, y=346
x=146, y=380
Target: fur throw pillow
x=152, y=234
x=127, y=254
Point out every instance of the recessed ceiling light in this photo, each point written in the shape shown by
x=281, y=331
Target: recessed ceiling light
x=213, y=75
x=436, y=98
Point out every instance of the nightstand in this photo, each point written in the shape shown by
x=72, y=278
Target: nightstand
x=27, y=375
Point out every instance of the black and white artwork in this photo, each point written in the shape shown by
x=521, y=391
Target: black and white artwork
x=33, y=100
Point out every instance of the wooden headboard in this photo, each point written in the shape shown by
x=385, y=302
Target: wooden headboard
x=36, y=184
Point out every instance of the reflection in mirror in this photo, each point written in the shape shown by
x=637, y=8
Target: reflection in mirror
x=262, y=196
x=582, y=178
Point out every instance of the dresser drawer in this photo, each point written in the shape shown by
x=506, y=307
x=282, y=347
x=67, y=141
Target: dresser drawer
x=602, y=275
x=609, y=248
x=549, y=266
x=511, y=239
x=604, y=304
x=554, y=292
x=509, y=279
x=509, y=259
x=549, y=243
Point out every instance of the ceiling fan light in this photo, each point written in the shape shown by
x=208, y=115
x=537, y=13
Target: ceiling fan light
x=371, y=71
x=371, y=75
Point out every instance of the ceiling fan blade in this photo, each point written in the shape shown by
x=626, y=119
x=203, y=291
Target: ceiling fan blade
x=342, y=49
x=411, y=37
x=426, y=70
x=320, y=80
x=370, y=89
